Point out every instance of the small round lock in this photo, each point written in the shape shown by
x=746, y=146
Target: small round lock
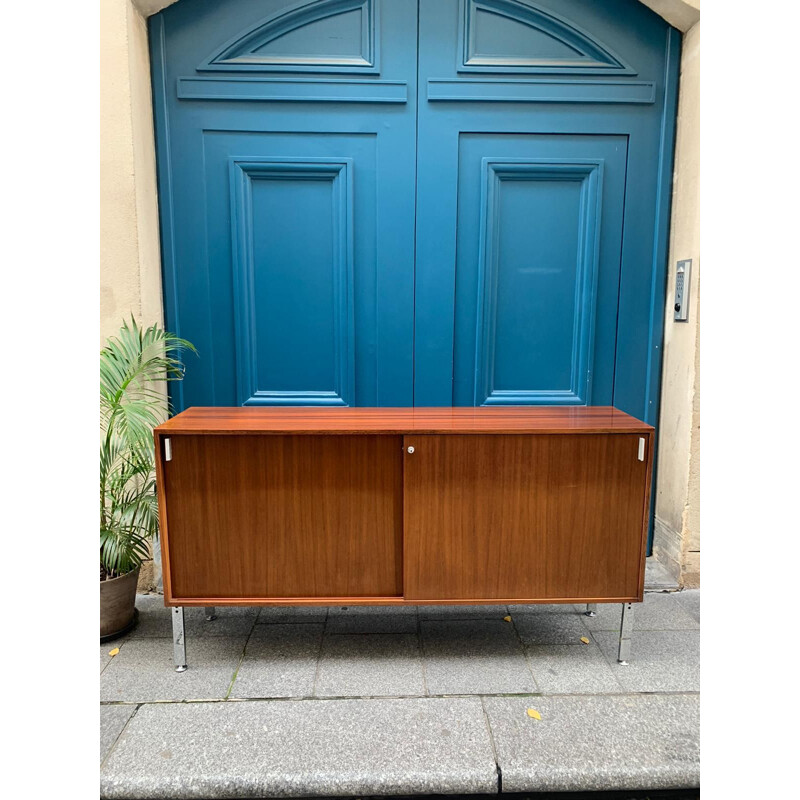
x=410, y=449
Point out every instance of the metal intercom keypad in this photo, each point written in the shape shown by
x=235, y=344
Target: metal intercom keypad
x=682, y=290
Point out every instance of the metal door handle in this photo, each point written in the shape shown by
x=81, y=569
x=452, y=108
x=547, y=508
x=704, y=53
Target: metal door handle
x=410, y=449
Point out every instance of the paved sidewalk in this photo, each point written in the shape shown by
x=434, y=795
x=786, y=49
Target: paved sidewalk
x=375, y=701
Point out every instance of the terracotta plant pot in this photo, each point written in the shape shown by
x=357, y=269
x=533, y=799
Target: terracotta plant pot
x=118, y=605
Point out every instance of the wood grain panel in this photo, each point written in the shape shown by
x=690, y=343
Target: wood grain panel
x=283, y=516
x=527, y=517
x=308, y=421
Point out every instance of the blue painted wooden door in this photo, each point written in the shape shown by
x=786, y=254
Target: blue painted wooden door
x=392, y=202
x=287, y=154
x=545, y=135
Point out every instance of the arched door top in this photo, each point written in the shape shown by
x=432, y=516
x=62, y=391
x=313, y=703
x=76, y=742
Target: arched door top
x=520, y=36
x=316, y=36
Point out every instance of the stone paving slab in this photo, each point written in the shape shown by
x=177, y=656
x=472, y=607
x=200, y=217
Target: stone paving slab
x=229, y=621
x=480, y=656
x=462, y=612
x=112, y=721
x=154, y=617
x=155, y=620
x=659, y=612
x=292, y=614
x=657, y=577
x=302, y=748
x=105, y=649
x=372, y=619
x=540, y=608
x=556, y=624
x=599, y=733
x=690, y=600
x=596, y=743
x=661, y=661
x=571, y=669
x=370, y=665
x=144, y=671
x=279, y=661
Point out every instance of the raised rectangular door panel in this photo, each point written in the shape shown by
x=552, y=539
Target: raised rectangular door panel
x=538, y=236
x=282, y=516
x=525, y=517
x=308, y=321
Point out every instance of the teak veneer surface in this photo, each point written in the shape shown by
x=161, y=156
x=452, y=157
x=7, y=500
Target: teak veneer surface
x=304, y=420
x=329, y=507
x=285, y=516
x=523, y=516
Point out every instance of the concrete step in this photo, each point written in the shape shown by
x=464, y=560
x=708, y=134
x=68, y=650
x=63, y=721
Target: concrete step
x=411, y=746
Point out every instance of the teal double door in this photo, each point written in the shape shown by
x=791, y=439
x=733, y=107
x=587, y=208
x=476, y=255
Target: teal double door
x=415, y=202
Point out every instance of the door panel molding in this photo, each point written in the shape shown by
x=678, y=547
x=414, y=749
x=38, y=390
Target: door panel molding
x=541, y=91
x=551, y=42
x=298, y=90
x=588, y=174
x=542, y=225
x=254, y=48
x=244, y=173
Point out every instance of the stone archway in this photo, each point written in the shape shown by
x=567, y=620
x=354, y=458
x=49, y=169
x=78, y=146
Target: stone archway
x=681, y=14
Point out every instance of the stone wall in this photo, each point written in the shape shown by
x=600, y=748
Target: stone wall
x=677, y=512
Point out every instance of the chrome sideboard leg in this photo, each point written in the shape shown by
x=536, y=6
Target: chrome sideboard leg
x=625, y=630
x=591, y=610
x=211, y=613
x=178, y=639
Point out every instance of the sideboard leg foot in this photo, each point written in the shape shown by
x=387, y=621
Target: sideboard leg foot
x=211, y=613
x=178, y=639
x=625, y=630
x=591, y=610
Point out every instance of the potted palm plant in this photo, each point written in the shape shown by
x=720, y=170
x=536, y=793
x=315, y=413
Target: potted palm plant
x=133, y=367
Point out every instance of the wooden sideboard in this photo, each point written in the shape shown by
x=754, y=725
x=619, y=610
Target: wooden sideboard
x=393, y=506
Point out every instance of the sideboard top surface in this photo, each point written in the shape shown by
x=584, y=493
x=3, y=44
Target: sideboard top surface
x=306, y=420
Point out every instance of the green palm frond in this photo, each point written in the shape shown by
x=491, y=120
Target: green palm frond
x=132, y=365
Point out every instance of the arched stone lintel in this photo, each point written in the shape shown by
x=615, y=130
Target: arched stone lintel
x=681, y=14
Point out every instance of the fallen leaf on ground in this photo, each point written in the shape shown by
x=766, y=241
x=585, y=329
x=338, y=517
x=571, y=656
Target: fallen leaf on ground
x=507, y=619
x=585, y=639
x=534, y=714
x=114, y=651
